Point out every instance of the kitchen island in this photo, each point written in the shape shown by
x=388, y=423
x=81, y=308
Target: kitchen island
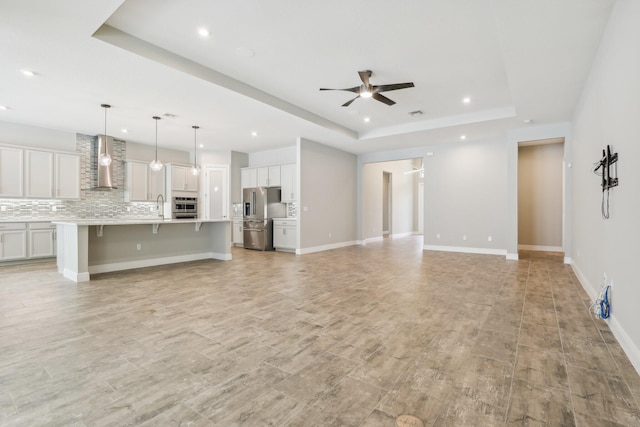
x=91, y=246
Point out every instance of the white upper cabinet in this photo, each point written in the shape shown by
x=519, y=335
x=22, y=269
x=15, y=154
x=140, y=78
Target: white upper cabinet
x=156, y=181
x=249, y=178
x=182, y=179
x=143, y=184
x=267, y=176
x=11, y=172
x=38, y=174
x=288, y=183
x=67, y=176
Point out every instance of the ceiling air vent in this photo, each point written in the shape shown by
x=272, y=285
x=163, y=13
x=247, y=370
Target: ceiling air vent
x=416, y=113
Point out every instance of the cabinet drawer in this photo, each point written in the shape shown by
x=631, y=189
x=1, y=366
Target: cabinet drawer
x=13, y=226
x=41, y=226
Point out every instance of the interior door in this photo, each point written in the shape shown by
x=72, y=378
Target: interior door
x=216, y=192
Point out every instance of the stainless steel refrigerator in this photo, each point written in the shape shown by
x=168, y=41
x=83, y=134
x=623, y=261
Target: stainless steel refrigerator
x=261, y=205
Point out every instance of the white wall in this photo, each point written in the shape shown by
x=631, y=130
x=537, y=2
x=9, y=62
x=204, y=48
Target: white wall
x=327, y=197
x=36, y=137
x=608, y=114
x=402, y=193
x=278, y=156
x=465, y=195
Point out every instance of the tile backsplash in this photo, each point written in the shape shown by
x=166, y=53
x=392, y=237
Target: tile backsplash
x=92, y=203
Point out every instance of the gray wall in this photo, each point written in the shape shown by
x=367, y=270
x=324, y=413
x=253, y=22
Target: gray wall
x=403, y=195
x=327, y=194
x=238, y=161
x=465, y=195
x=608, y=114
x=540, y=196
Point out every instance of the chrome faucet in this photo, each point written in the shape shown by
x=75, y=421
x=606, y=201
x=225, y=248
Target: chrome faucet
x=160, y=207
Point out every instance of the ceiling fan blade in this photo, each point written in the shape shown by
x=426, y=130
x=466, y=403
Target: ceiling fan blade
x=382, y=98
x=386, y=88
x=346, y=104
x=354, y=89
x=364, y=76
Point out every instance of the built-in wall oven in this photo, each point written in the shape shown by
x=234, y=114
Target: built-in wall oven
x=184, y=208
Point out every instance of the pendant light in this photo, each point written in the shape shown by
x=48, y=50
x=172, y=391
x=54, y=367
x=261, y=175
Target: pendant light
x=104, y=159
x=195, y=169
x=156, y=165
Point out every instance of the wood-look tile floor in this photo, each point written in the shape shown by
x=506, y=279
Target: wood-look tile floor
x=349, y=337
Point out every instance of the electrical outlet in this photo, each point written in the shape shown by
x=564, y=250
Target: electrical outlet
x=464, y=237
x=329, y=235
x=152, y=208
x=438, y=236
x=490, y=239
x=128, y=208
x=3, y=208
x=54, y=208
x=139, y=247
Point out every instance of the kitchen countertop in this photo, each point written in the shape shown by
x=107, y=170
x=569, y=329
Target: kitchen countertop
x=286, y=219
x=113, y=221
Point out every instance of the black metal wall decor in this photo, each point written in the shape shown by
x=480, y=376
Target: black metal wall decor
x=609, y=173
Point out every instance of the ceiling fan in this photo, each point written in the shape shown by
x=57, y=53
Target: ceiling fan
x=367, y=90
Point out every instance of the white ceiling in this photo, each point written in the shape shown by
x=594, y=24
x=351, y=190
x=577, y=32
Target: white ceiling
x=515, y=59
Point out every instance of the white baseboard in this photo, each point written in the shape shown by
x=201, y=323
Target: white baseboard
x=486, y=251
x=540, y=248
x=128, y=265
x=373, y=239
x=76, y=277
x=398, y=235
x=628, y=346
x=512, y=257
x=325, y=247
x=568, y=260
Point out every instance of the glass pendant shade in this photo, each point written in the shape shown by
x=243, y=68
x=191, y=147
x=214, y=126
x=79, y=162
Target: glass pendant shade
x=104, y=159
x=195, y=169
x=156, y=165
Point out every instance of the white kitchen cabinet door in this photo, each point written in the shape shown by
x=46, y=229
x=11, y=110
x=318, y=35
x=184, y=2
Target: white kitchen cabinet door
x=288, y=183
x=42, y=242
x=38, y=174
x=156, y=183
x=177, y=178
x=137, y=188
x=262, y=177
x=11, y=172
x=284, y=236
x=249, y=177
x=190, y=180
x=274, y=176
x=67, y=176
x=237, y=233
x=13, y=241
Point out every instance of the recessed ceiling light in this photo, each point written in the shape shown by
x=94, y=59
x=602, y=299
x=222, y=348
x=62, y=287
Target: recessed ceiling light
x=466, y=100
x=366, y=119
x=254, y=133
x=125, y=131
x=203, y=32
x=463, y=136
x=28, y=73
x=527, y=121
x=3, y=107
x=244, y=52
x=201, y=146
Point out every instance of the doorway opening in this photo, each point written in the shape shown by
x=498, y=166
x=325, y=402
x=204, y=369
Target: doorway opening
x=216, y=188
x=540, y=195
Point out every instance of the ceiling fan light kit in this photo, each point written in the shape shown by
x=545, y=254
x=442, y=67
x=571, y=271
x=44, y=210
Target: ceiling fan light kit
x=367, y=90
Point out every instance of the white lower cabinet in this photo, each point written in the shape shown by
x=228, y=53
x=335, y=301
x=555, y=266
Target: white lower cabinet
x=42, y=240
x=22, y=241
x=13, y=241
x=284, y=234
x=237, y=233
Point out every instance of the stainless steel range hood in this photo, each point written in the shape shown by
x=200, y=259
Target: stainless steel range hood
x=104, y=174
